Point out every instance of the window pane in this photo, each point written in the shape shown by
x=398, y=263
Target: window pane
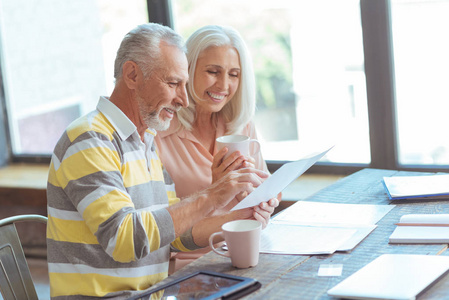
x=57, y=59
x=308, y=59
x=421, y=58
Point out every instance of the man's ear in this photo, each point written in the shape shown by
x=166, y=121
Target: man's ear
x=130, y=73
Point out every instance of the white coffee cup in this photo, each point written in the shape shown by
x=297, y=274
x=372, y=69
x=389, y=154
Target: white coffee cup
x=240, y=143
x=242, y=239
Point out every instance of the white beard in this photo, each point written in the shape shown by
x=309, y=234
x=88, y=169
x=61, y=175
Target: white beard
x=151, y=118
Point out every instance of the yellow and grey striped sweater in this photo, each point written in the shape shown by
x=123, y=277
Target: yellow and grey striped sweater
x=109, y=233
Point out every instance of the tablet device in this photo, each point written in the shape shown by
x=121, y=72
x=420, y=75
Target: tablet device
x=393, y=276
x=203, y=285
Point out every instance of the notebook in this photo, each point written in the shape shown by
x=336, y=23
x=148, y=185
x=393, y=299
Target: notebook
x=423, y=187
x=393, y=276
x=422, y=229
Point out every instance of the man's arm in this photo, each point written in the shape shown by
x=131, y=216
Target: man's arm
x=203, y=204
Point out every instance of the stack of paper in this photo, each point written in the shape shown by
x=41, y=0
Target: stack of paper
x=423, y=186
x=320, y=228
x=422, y=229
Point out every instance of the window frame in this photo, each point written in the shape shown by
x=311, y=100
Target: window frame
x=379, y=72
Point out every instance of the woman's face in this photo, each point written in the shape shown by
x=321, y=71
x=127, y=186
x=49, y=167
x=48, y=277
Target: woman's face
x=216, y=78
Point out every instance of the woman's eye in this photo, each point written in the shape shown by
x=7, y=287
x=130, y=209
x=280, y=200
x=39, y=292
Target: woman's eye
x=234, y=75
x=212, y=72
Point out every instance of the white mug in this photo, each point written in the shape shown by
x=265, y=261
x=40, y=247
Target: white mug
x=242, y=239
x=240, y=143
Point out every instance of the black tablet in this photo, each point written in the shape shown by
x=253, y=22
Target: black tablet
x=203, y=285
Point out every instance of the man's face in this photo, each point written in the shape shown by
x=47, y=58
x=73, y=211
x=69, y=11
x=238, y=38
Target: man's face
x=164, y=92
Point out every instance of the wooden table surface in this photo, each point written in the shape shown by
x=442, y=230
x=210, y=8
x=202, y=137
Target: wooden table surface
x=295, y=276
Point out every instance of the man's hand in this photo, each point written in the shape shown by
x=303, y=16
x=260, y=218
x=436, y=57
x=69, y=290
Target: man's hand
x=229, y=189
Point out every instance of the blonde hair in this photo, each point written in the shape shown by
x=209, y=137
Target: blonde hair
x=240, y=109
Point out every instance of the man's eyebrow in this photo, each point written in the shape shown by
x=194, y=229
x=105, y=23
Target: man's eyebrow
x=173, y=78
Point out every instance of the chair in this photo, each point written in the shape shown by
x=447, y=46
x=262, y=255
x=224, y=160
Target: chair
x=15, y=277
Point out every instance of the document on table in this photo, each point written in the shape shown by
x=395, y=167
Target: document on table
x=278, y=181
x=281, y=238
x=423, y=187
x=320, y=228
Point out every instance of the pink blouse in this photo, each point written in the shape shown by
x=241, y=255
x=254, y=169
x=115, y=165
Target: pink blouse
x=188, y=162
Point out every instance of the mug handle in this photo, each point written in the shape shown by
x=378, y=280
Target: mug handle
x=211, y=244
x=257, y=144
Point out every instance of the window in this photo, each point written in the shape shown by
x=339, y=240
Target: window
x=421, y=58
x=369, y=76
x=309, y=71
x=57, y=59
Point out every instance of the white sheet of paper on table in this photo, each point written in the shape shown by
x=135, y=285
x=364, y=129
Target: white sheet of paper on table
x=278, y=181
x=278, y=238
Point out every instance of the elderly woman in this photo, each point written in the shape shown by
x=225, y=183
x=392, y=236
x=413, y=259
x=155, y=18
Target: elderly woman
x=221, y=93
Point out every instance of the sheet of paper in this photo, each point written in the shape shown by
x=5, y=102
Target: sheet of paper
x=302, y=240
x=328, y=270
x=307, y=212
x=359, y=217
x=278, y=181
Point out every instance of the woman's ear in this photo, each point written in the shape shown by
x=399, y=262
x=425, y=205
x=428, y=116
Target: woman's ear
x=130, y=73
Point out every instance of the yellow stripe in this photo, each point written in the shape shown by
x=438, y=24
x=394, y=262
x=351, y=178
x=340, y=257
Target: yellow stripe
x=99, y=124
x=84, y=163
x=62, y=284
x=69, y=231
x=178, y=245
x=124, y=246
x=172, y=199
x=150, y=225
x=52, y=175
x=135, y=172
x=104, y=207
x=156, y=170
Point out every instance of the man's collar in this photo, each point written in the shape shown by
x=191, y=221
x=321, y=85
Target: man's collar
x=121, y=123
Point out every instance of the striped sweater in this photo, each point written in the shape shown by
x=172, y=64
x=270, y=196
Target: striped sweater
x=109, y=233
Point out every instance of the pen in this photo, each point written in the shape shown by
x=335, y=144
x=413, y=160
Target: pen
x=422, y=224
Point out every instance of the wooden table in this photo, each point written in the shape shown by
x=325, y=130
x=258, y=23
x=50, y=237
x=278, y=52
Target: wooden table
x=295, y=277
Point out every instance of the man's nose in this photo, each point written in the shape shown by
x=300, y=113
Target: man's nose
x=182, y=98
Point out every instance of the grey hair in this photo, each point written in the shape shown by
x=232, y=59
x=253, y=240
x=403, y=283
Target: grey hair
x=141, y=45
x=240, y=109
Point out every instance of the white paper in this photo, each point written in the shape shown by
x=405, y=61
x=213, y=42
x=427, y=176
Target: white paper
x=330, y=270
x=278, y=181
x=302, y=240
x=401, y=187
x=307, y=212
x=360, y=218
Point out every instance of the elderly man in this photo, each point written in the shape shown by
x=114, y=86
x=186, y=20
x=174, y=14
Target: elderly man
x=113, y=213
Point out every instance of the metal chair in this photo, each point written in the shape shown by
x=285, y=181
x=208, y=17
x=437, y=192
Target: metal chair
x=15, y=277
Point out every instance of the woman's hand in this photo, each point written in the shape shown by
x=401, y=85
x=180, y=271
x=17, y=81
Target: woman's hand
x=235, y=161
x=264, y=210
x=261, y=213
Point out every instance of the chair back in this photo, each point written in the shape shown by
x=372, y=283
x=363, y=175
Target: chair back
x=15, y=277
